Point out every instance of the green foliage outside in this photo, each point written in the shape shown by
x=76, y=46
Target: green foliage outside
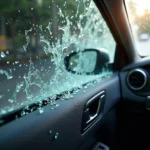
x=20, y=15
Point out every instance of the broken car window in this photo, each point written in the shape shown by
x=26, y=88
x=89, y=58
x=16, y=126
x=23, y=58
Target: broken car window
x=35, y=38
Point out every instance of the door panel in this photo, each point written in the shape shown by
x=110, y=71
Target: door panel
x=60, y=128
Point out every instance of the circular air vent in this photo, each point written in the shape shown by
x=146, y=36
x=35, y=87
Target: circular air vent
x=137, y=79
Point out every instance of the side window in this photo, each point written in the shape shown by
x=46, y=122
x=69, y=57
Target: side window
x=51, y=49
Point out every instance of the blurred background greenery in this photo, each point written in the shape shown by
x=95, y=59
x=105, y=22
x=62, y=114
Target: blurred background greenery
x=18, y=17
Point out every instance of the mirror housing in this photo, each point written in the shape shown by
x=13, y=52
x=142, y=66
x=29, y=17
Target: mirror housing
x=88, y=61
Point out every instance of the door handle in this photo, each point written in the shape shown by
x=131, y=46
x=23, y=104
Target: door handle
x=93, y=109
x=91, y=118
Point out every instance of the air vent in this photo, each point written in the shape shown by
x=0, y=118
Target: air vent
x=136, y=79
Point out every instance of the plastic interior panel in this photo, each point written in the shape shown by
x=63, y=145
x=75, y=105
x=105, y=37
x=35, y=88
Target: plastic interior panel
x=32, y=131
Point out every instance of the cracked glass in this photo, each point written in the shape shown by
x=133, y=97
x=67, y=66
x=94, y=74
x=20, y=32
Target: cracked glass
x=35, y=37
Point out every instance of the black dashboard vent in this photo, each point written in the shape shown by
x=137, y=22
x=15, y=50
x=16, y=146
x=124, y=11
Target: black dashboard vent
x=136, y=79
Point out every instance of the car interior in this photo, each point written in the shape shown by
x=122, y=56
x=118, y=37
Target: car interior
x=110, y=114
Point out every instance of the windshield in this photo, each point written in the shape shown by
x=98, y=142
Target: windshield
x=139, y=17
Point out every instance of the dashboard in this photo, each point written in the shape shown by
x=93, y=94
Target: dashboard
x=135, y=86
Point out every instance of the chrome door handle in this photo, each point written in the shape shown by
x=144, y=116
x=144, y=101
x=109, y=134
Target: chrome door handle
x=93, y=109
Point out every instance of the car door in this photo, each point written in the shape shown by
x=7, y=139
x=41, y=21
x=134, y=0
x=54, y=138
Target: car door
x=60, y=85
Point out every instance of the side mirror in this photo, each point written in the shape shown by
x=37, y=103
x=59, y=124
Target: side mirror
x=88, y=61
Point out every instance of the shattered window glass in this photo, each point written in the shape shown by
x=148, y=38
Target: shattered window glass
x=35, y=38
